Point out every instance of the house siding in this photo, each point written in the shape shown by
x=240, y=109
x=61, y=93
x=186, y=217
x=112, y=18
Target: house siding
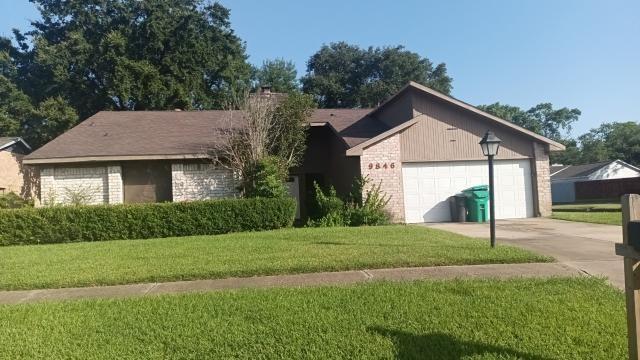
x=382, y=164
x=447, y=133
x=201, y=181
x=14, y=177
x=397, y=111
x=615, y=170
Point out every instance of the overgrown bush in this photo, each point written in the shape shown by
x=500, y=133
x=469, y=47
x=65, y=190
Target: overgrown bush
x=367, y=209
x=266, y=178
x=329, y=209
x=365, y=205
x=143, y=221
x=14, y=201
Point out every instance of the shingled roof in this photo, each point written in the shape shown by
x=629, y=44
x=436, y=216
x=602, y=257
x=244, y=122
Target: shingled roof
x=138, y=135
x=577, y=171
x=129, y=135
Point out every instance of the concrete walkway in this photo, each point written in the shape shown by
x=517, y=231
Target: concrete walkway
x=500, y=271
x=586, y=247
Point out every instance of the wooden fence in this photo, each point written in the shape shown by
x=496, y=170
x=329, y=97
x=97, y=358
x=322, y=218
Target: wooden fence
x=606, y=189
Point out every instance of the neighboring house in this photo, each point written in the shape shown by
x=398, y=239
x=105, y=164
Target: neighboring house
x=13, y=175
x=420, y=145
x=564, y=177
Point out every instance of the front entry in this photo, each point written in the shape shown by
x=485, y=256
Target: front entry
x=146, y=181
x=293, y=186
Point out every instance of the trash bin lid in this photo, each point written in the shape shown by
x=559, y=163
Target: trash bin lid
x=477, y=188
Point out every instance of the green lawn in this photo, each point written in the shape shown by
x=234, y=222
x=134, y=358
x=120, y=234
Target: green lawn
x=579, y=318
x=598, y=213
x=244, y=254
x=597, y=217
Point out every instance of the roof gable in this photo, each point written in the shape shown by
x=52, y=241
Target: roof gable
x=423, y=90
x=13, y=143
x=588, y=171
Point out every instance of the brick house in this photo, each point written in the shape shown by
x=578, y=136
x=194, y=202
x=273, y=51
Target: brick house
x=420, y=145
x=14, y=176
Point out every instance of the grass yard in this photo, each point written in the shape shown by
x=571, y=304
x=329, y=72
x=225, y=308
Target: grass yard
x=588, y=207
x=598, y=213
x=581, y=318
x=596, y=217
x=244, y=254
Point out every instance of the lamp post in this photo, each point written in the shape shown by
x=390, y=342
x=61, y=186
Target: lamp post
x=490, y=144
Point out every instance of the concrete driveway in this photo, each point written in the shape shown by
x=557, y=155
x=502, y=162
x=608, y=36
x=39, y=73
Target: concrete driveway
x=586, y=247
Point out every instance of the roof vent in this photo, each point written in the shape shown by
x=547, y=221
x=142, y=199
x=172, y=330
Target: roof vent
x=177, y=109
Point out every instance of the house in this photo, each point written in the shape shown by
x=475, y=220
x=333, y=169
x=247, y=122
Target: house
x=14, y=177
x=420, y=145
x=565, y=177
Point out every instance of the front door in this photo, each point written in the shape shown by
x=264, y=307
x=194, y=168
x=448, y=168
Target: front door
x=146, y=181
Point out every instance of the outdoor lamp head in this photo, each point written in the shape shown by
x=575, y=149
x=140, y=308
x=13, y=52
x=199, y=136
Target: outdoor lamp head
x=490, y=144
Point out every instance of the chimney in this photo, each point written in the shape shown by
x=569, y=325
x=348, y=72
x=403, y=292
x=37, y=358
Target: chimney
x=265, y=89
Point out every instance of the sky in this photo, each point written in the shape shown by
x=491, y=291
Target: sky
x=581, y=54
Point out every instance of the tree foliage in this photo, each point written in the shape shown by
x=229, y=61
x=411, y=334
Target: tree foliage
x=611, y=141
x=123, y=55
x=271, y=140
x=279, y=74
x=289, y=136
x=265, y=178
x=341, y=75
x=542, y=119
x=36, y=124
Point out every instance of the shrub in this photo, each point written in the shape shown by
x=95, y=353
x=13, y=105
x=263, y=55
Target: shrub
x=370, y=208
x=329, y=209
x=265, y=178
x=364, y=206
x=14, y=201
x=143, y=221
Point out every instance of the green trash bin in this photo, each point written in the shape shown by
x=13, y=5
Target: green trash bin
x=477, y=202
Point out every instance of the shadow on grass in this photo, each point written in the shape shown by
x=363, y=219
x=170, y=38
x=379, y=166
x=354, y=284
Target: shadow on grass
x=444, y=347
x=330, y=243
x=358, y=244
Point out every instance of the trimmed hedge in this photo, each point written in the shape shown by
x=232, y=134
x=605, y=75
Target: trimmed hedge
x=143, y=221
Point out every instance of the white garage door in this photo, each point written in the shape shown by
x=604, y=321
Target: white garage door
x=427, y=187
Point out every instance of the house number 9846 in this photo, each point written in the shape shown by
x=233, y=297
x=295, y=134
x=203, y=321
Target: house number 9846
x=383, y=166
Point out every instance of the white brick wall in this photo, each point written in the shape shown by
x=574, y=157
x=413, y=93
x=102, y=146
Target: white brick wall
x=381, y=162
x=93, y=185
x=193, y=181
x=114, y=180
x=61, y=185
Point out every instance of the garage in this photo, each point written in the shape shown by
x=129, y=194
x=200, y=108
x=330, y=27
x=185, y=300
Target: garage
x=428, y=185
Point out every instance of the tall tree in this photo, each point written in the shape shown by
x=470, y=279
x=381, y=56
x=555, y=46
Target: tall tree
x=542, y=118
x=36, y=124
x=611, y=141
x=279, y=74
x=572, y=155
x=344, y=76
x=272, y=140
x=130, y=55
